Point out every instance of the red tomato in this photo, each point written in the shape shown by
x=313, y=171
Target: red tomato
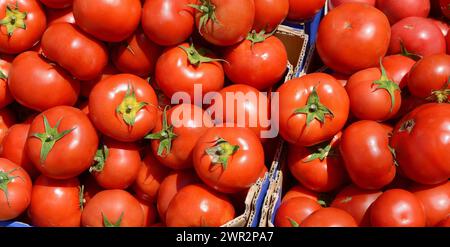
x=443, y=26
x=299, y=191
x=23, y=23
x=87, y=86
x=113, y=208
x=397, y=208
x=224, y=22
x=60, y=16
x=168, y=22
x=418, y=35
x=313, y=108
x=306, y=9
x=196, y=205
x=397, y=68
x=269, y=14
x=228, y=159
x=397, y=10
x=56, y=203
x=335, y=3
x=111, y=21
x=5, y=94
x=425, y=162
x=61, y=142
x=7, y=119
x=329, y=217
x=353, y=23
x=259, y=61
x=293, y=212
x=15, y=190
x=435, y=200
x=150, y=213
x=57, y=4
x=123, y=107
x=150, y=176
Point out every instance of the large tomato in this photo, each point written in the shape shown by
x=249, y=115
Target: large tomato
x=62, y=142
x=353, y=23
x=60, y=16
x=51, y=85
x=5, y=94
x=397, y=208
x=168, y=22
x=196, y=205
x=269, y=14
x=7, y=119
x=397, y=10
x=426, y=162
x=229, y=159
x=292, y=212
x=149, y=178
x=335, y=3
x=397, y=68
x=113, y=208
x=299, y=191
x=435, y=200
x=224, y=22
x=22, y=24
x=111, y=21
x=301, y=10
x=123, y=107
x=15, y=190
x=329, y=217
x=313, y=108
x=57, y=4
x=56, y=203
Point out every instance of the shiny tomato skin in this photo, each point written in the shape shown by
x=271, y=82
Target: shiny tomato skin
x=335, y=3
x=5, y=94
x=397, y=68
x=110, y=21
x=300, y=191
x=59, y=16
x=150, y=213
x=301, y=10
x=350, y=23
x=269, y=14
x=111, y=204
x=55, y=203
x=329, y=217
x=397, y=10
x=397, y=208
x=87, y=86
x=57, y=4
x=197, y=205
x=149, y=178
x=30, y=70
x=294, y=211
x=435, y=200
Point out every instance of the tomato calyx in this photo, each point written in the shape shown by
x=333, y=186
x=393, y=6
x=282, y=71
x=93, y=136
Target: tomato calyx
x=314, y=109
x=100, y=159
x=81, y=199
x=197, y=57
x=208, y=11
x=221, y=152
x=408, y=126
x=3, y=76
x=406, y=53
x=394, y=155
x=256, y=37
x=385, y=83
x=5, y=179
x=165, y=136
x=321, y=152
x=49, y=138
x=324, y=200
x=108, y=223
x=442, y=95
x=347, y=199
x=293, y=222
x=130, y=106
x=14, y=19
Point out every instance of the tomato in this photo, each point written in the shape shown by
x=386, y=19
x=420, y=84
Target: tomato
x=150, y=213
x=113, y=208
x=299, y=191
x=178, y=69
x=269, y=14
x=293, y=212
x=87, y=86
x=397, y=68
x=196, y=205
x=150, y=176
x=60, y=16
x=170, y=186
x=435, y=200
x=430, y=78
x=353, y=23
x=396, y=10
x=7, y=119
x=56, y=203
x=51, y=85
x=335, y=3
x=175, y=136
x=123, y=107
x=61, y=142
x=319, y=168
x=356, y=202
x=168, y=22
x=425, y=162
x=259, y=61
x=15, y=190
x=5, y=94
x=23, y=23
x=418, y=35
x=329, y=217
x=397, y=208
x=111, y=21
x=228, y=159
x=224, y=22
x=116, y=164
x=444, y=27
x=313, y=108
x=57, y=4
x=306, y=9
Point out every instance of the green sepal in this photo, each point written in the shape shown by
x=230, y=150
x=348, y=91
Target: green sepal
x=14, y=19
x=165, y=136
x=99, y=159
x=314, y=109
x=129, y=107
x=5, y=179
x=107, y=223
x=221, y=152
x=387, y=84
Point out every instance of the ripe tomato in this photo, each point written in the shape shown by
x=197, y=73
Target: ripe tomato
x=313, y=108
x=259, y=61
x=87, y=86
x=334, y=3
x=435, y=200
x=110, y=21
x=150, y=213
x=61, y=142
x=397, y=10
x=196, y=205
x=56, y=203
x=179, y=68
x=168, y=22
x=397, y=68
x=397, y=208
x=306, y=9
x=15, y=190
x=228, y=159
x=224, y=22
x=22, y=24
x=150, y=176
x=329, y=217
x=293, y=212
x=5, y=94
x=356, y=202
x=418, y=36
x=353, y=23
x=425, y=162
x=299, y=191
x=174, y=138
x=319, y=168
x=57, y=4
x=269, y=14
x=59, y=16
x=443, y=26
x=123, y=107
x=113, y=208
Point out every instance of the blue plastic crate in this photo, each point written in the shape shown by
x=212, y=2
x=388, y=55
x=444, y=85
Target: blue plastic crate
x=13, y=224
